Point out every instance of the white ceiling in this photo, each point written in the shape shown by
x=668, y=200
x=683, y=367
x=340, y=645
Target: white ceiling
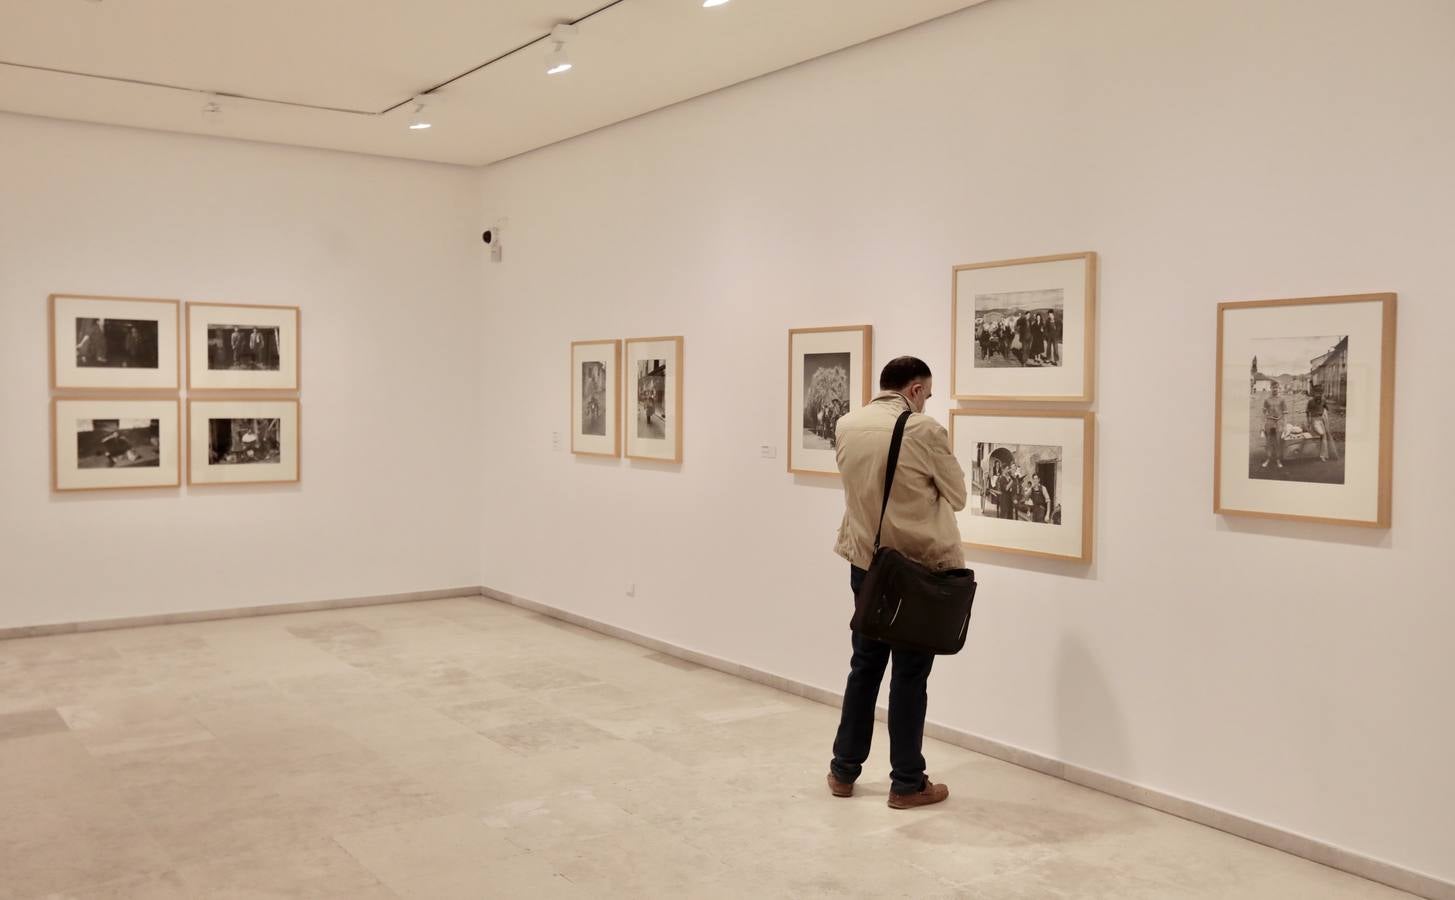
x=350, y=60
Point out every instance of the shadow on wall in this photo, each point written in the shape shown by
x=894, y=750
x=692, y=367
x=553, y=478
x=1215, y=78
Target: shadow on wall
x=1309, y=531
x=1089, y=721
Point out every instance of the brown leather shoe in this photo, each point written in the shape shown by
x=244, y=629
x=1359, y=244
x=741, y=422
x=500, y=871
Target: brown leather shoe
x=927, y=795
x=840, y=788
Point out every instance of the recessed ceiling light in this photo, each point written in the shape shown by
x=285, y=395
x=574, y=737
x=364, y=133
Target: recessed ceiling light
x=708, y=4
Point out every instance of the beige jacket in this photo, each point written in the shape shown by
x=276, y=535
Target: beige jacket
x=929, y=487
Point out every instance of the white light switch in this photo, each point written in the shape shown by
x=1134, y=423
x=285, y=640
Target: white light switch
x=768, y=451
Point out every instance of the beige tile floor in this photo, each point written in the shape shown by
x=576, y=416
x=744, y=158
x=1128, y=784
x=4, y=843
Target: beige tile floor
x=464, y=748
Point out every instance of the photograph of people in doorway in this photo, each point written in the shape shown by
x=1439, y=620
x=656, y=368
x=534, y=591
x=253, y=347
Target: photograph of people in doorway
x=1016, y=482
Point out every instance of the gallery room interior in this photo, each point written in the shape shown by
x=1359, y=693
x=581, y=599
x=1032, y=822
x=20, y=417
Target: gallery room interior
x=421, y=475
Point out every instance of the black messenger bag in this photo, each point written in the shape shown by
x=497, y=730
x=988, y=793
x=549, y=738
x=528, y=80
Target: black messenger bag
x=904, y=604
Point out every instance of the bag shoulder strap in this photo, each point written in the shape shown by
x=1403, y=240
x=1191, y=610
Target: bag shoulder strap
x=894, y=445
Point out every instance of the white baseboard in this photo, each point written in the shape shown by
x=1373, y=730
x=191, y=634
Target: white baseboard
x=1289, y=842
x=238, y=612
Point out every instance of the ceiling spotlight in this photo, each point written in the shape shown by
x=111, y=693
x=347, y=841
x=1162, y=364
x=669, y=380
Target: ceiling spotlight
x=708, y=4
x=418, y=121
x=557, y=61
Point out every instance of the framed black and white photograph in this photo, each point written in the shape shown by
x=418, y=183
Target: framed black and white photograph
x=1030, y=478
x=113, y=343
x=1024, y=329
x=234, y=347
x=828, y=376
x=653, y=415
x=595, y=394
x=102, y=444
x=1305, y=409
x=243, y=441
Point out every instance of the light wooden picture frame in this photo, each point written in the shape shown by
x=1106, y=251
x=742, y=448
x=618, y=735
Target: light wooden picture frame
x=112, y=443
x=1305, y=409
x=244, y=441
x=243, y=348
x=830, y=373
x=1031, y=478
x=595, y=397
x=121, y=344
x=652, y=407
x=1024, y=329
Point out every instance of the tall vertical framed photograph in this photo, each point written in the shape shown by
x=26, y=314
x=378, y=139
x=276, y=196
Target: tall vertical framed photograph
x=114, y=343
x=1305, y=409
x=829, y=374
x=105, y=444
x=237, y=347
x=243, y=441
x=653, y=414
x=595, y=395
x=1024, y=329
x=1031, y=479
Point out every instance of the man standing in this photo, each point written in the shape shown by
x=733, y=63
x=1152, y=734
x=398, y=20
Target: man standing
x=255, y=349
x=1274, y=409
x=929, y=488
x=1318, y=423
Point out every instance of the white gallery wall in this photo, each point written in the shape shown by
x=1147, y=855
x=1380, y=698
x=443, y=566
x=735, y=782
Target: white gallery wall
x=1298, y=675
x=380, y=255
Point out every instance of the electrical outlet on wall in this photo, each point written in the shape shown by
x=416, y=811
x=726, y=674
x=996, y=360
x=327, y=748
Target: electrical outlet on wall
x=556, y=441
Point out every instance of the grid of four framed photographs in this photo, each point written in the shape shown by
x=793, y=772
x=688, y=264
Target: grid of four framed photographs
x=115, y=360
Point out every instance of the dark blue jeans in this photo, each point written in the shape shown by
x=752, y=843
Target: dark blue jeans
x=908, y=698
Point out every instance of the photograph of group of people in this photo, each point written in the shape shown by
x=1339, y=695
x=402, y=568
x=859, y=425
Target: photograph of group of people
x=1298, y=404
x=116, y=343
x=1019, y=328
x=243, y=347
x=1017, y=482
x=244, y=441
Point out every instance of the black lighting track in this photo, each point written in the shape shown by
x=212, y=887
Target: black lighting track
x=338, y=109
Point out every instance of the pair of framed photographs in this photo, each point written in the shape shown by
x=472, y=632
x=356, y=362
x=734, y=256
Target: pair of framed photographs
x=112, y=360
x=1024, y=331
x=646, y=417
x=134, y=344
x=103, y=443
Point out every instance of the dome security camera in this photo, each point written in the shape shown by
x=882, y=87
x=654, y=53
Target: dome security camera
x=491, y=236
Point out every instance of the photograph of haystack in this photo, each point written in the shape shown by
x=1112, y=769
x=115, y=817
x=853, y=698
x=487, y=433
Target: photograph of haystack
x=828, y=377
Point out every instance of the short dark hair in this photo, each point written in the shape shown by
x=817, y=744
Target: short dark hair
x=898, y=373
